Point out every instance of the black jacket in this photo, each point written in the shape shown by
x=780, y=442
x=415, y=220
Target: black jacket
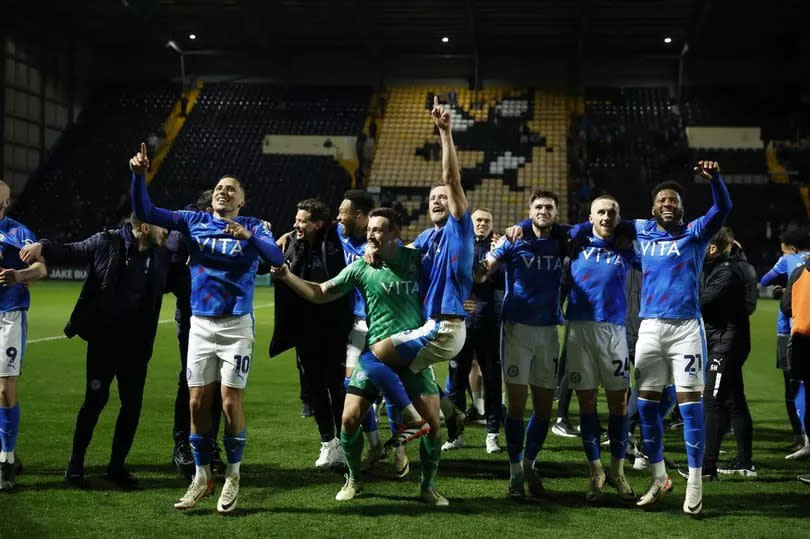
x=296, y=318
x=105, y=255
x=489, y=294
x=724, y=308
x=632, y=293
x=749, y=275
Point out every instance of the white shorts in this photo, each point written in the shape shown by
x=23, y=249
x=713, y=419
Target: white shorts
x=670, y=351
x=597, y=355
x=357, y=342
x=220, y=349
x=434, y=341
x=529, y=354
x=13, y=328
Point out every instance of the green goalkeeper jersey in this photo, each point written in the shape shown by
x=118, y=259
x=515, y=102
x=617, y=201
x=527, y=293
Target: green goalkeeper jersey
x=391, y=292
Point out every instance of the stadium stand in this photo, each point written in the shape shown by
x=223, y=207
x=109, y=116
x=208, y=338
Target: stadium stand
x=509, y=141
x=224, y=132
x=82, y=187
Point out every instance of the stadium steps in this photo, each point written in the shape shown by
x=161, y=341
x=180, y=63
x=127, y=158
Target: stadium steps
x=174, y=123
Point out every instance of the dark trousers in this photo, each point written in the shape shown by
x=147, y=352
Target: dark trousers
x=798, y=354
x=182, y=411
x=564, y=393
x=481, y=343
x=108, y=358
x=725, y=406
x=321, y=362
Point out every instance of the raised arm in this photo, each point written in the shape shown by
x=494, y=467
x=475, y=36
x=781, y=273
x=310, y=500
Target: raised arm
x=142, y=204
x=312, y=292
x=451, y=174
x=721, y=206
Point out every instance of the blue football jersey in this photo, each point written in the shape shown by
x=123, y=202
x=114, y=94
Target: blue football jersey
x=785, y=266
x=447, y=264
x=223, y=269
x=598, y=277
x=671, y=266
x=13, y=237
x=533, y=267
x=354, y=249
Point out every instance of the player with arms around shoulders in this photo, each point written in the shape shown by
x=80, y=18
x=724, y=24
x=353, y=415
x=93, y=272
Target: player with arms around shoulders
x=224, y=250
x=447, y=261
x=391, y=291
x=14, y=302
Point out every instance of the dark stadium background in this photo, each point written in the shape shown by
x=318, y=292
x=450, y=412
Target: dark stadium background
x=581, y=96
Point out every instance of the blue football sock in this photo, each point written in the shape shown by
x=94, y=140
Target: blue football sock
x=652, y=429
x=201, y=448
x=617, y=432
x=514, y=438
x=384, y=377
x=799, y=400
x=9, y=427
x=694, y=433
x=589, y=432
x=393, y=417
x=234, y=445
x=668, y=400
x=346, y=380
x=536, y=432
x=448, y=386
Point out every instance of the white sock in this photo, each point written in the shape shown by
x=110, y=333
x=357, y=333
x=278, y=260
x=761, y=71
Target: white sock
x=409, y=414
x=658, y=469
x=7, y=456
x=595, y=466
x=204, y=472
x=479, y=405
x=616, y=467
x=528, y=465
x=232, y=469
x=696, y=475
x=373, y=438
x=515, y=468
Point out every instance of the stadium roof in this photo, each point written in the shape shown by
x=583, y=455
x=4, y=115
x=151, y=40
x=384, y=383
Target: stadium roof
x=382, y=28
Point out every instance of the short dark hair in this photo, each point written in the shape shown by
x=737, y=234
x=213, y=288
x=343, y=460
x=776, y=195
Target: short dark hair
x=669, y=184
x=394, y=219
x=360, y=200
x=797, y=237
x=437, y=183
x=233, y=177
x=205, y=199
x=318, y=211
x=542, y=193
x=723, y=239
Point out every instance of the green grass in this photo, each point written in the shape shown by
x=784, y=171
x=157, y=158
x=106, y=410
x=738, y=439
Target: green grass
x=282, y=494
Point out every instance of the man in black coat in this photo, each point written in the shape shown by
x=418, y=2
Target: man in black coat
x=117, y=314
x=723, y=303
x=318, y=332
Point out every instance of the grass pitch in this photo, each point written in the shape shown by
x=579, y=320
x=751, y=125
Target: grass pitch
x=283, y=495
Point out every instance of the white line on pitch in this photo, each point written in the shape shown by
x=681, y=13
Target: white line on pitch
x=166, y=321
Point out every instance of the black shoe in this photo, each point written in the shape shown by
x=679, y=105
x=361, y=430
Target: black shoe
x=804, y=478
x=122, y=479
x=217, y=465
x=8, y=479
x=74, y=474
x=735, y=467
x=306, y=410
x=562, y=427
x=183, y=459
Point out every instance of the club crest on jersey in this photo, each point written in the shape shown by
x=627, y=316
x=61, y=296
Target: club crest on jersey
x=512, y=371
x=544, y=262
x=658, y=248
x=220, y=246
